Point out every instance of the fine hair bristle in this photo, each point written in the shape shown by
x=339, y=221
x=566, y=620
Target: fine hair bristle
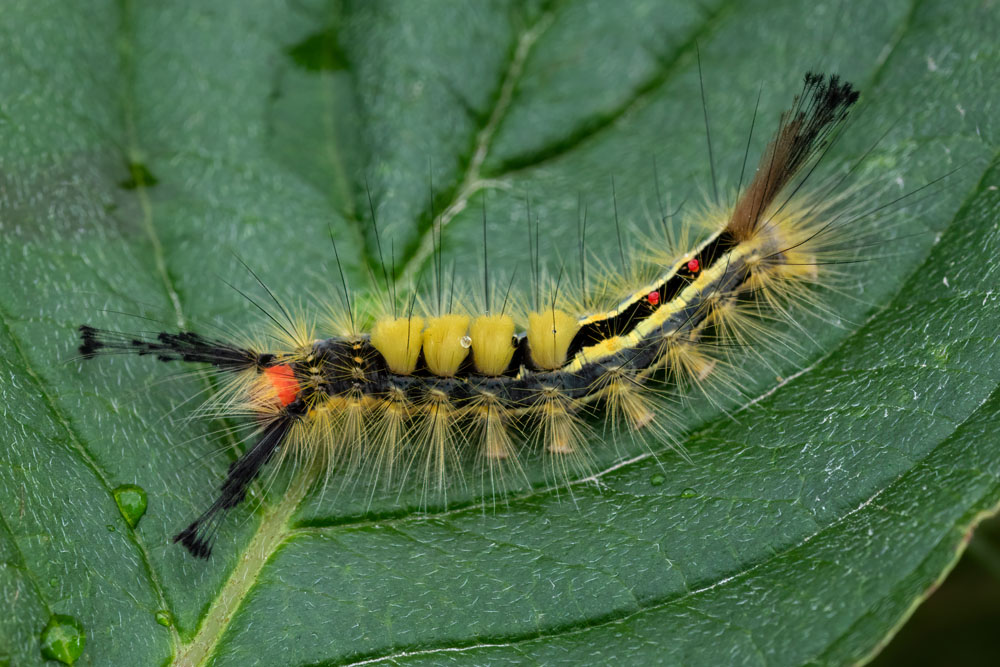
x=89, y=345
x=804, y=131
x=199, y=535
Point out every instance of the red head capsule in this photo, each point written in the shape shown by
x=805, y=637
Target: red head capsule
x=653, y=298
x=282, y=379
x=694, y=266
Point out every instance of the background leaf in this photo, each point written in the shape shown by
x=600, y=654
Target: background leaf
x=144, y=143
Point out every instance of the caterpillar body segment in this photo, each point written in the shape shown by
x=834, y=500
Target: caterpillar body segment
x=420, y=392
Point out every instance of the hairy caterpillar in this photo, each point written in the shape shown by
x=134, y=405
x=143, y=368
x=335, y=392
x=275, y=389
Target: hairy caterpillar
x=427, y=385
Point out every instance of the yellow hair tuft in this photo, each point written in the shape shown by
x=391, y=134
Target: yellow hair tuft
x=446, y=344
x=492, y=343
x=549, y=335
x=398, y=340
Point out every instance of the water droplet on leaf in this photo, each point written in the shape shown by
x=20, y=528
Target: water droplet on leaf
x=164, y=618
x=689, y=493
x=131, y=501
x=63, y=639
x=657, y=479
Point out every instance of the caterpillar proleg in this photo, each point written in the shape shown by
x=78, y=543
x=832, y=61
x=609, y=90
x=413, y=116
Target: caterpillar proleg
x=417, y=387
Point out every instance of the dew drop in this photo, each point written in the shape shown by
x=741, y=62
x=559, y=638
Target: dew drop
x=131, y=501
x=110, y=527
x=689, y=493
x=164, y=618
x=63, y=639
x=657, y=479
x=466, y=342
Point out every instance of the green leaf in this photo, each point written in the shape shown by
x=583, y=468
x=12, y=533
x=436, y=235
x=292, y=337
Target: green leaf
x=146, y=143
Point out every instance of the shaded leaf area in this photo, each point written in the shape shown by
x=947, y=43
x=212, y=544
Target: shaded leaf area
x=145, y=146
x=956, y=621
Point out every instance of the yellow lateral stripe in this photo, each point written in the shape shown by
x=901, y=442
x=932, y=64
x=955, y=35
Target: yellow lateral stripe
x=638, y=294
x=603, y=350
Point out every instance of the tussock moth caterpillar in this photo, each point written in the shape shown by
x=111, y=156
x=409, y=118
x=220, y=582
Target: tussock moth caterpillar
x=415, y=384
